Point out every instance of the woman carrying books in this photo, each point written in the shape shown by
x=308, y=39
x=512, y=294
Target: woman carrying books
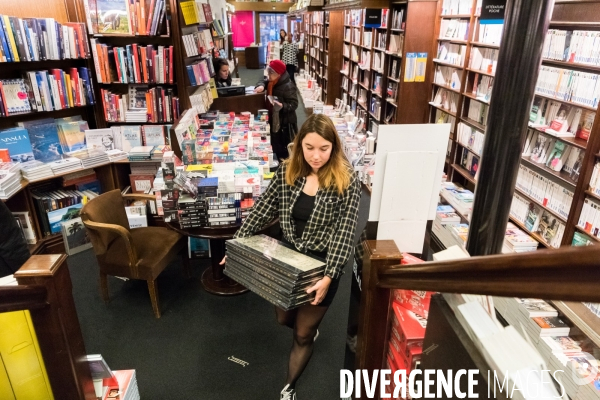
x=316, y=195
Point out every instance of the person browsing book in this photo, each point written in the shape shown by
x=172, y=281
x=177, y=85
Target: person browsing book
x=223, y=77
x=282, y=111
x=316, y=195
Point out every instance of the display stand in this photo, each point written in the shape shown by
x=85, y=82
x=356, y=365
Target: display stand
x=213, y=279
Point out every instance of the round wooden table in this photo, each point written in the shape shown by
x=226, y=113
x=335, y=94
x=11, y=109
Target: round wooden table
x=213, y=279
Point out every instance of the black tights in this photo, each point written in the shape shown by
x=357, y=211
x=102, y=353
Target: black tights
x=304, y=321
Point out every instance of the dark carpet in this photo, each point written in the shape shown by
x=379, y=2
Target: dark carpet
x=184, y=354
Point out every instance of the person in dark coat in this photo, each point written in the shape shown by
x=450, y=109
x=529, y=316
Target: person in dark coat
x=13, y=247
x=278, y=84
x=222, y=75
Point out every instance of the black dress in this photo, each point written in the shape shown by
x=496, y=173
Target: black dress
x=301, y=213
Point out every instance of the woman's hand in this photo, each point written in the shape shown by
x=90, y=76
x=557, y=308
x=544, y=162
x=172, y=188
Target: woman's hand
x=321, y=288
x=277, y=104
x=223, y=260
x=259, y=89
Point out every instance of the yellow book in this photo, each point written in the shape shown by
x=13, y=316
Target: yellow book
x=11, y=38
x=213, y=88
x=199, y=167
x=188, y=9
x=69, y=90
x=268, y=175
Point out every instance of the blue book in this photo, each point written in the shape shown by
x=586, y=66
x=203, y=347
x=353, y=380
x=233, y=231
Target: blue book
x=16, y=140
x=4, y=42
x=43, y=135
x=85, y=76
x=190, y=72
x=94, y=186
x=28, y=41
x=63, y=82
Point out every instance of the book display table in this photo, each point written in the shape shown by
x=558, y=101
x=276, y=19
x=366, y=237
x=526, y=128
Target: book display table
x=213, y=279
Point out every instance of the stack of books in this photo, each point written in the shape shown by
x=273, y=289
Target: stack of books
x=10, y=183
x=92, y=158
x=445, y=217
x=459, y=198
x=136, y=115
x=192, y=213
x=35, y=170
x=116, y=155
x=141, y=153
x=517, y=241
x=66, y=165
x=273, y=270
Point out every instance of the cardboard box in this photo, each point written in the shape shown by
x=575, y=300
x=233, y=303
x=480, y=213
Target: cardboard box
x=410, y=327
x=416, y=301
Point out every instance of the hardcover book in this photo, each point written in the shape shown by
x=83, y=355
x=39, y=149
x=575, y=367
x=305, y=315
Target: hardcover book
x=153, y=135
x=75, y=236
x=72, y=135
x=14, y=96
x=43, y=135
x=131, y=136
x=102, y=139
x=16, y=140
x=113, y=16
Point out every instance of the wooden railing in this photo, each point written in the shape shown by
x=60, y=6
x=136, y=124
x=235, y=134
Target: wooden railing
x=571, y=273
x=45, y=290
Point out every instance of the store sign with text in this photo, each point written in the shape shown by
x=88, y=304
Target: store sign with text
x=492, y=12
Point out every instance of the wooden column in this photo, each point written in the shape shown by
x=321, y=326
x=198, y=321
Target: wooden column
x=375, y=305
x=57, y=326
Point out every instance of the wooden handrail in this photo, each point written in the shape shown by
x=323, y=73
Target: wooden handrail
x=19, y=298
x=571, y=273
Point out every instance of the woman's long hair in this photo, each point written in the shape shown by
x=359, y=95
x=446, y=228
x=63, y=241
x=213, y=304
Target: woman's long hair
x=336, y=173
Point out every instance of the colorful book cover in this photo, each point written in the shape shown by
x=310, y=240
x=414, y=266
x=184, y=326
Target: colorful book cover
x=188, y=152
x=113, y=16
x=16, y=140
x=43, y=135
x=57, y=217
x=153, y=135
x=72, y=135
x=15, y=96
x=131, y=136
x=101, y=139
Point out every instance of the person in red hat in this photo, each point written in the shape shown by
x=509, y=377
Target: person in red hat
x=282, y=110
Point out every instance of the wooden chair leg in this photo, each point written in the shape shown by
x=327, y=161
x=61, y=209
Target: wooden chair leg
x=104, y=287
x=187, y=271
x=154, y=297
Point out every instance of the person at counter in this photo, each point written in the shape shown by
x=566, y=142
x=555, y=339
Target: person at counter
x=282, y=111
x=223, y=77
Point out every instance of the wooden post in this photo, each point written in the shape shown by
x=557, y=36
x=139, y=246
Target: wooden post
x=374, y=312
x=57, y=327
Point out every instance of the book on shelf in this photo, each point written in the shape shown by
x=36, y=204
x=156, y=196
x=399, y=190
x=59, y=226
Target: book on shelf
x=160, y=106
x=442, y=117
x=40, y=39
x=446, y=99
x=43, y=135
x=478, y=112
x=25, y=223
x=470, y=162
x=484, y=59
x=126, y=17
x=396, y=43
x=71, y=134
x=581, y=239
x=482, y=87
x=199, y=72
x=576, y=46
x=551, y=229
x=197, y=43
x=553, y=153
x=454, y=29
x=447, y=77
x=560, y=119
x=133, y=63
x=470, y=138
x=489, y=33
x=451, y=53
x=569, y=86
x=398, y=19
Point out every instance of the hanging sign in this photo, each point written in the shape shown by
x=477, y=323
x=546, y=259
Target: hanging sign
x=410, y=67
x=421, y=66
x=492, y=12
x=372, y=18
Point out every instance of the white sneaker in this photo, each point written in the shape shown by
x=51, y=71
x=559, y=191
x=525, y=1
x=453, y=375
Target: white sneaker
x=288, y=394
x=316, y=336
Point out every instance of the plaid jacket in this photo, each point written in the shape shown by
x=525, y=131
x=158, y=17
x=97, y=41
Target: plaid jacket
x=331, y=225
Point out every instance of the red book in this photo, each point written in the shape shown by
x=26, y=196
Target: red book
x=171, y=64
x=118, y=64
x=75, y=83
x=144, y=64
x=207, y=12
x=136, y=63
x=105, y=65
x=104, y=95
x=153, y=69
x=150, y=12
x=3, y=96
x=56, y=73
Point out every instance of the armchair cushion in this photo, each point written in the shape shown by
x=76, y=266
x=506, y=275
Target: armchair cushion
x=155, y=248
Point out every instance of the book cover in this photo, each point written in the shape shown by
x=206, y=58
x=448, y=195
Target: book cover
x=57, y=217
x=102, y=139
x=72, y=135
x=137, y=96
x=113, y=16
x=16, y=140
x=533, y=216
x=153, y=135
x=550, y=323
x=131, y=137
x=14, y=93
x=75, y=236
x=26, y=225
x=141, y=183
x=43, y=135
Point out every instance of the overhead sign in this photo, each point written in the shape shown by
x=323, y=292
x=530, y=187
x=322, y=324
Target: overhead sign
x=492, y=12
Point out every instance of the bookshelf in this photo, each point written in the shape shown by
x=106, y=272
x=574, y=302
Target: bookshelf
x=465, y=106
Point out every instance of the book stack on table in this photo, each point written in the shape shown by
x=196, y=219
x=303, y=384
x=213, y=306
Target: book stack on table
x=273, y=270
x=192, y=213
x=35, y=170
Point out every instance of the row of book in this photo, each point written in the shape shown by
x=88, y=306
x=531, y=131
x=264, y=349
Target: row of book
x=582, y=47
x=470, y=138
x=133, y=63
x=194, y=12
x=484, y=59
x=458, y=197
x=127, y=17
x=39, y=39
x=446, y=99
x=489, y=34
x=537, y=220
x=156, y=104
x=46, y=91
x=454, y=29
x=589, y=219
x=447, y=76
x=470, y=162
x=126, y=137
x=196, y=43
x=200, y=72
x=568, y=85
x=482, y=87
x=457, y=7
x=451, y=53
x=560, y=119
x=568, y=358
x=201, y=99
x=478, y=112
x=396, y=43
x=397, y=19
x=595, y=180
x=555, y=154
x=442, y=117
x=545, y=191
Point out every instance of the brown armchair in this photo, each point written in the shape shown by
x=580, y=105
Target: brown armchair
x=141, y=253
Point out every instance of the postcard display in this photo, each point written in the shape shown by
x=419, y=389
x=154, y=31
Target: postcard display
x=273, y=270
